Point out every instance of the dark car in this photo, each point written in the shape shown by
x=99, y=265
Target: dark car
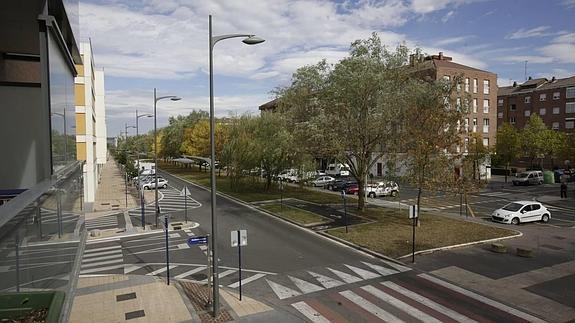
x=341, y=184
x=352, y=189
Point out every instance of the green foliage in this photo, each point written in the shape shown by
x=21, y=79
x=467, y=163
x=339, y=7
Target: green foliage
x=173, y=135
x=533, y=138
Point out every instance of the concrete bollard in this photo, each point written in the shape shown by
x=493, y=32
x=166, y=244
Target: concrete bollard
x=498, y=248
x=527, y=253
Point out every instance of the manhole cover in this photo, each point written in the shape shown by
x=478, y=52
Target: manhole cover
x=199, y=276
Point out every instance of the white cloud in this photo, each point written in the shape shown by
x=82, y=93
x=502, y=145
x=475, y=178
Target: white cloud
x=562, y=52
x=427, y=6
x=531, y=59
x=527, y=33
x=557, y=73
x=504, y=81
x=451, y=40
x=447, y=16
x=569, y=3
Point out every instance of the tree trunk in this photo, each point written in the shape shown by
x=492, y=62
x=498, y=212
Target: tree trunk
x=361, y=194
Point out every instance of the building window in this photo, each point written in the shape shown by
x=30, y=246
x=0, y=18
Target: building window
x=500, y=115
x=466, y=144
x=555, y=126
x=467, y=84
x=542, y=97
x=570, y=107
x=556, y=110
x=527, y=99
x=569, y=124
x=542, y=111
x=500, y=102
x=486, y=106
x=485, y=86
x=458, y=104
x=556, y=95
x=458, y=86
x=527, y=113
x=446, y=78
x=466, y=124
x=512, y=120
x=486, y=142
x=513, y=107
x=570, y=92
x=474, y=105
x=485, y=125
x=475, y=85
x=474, y=125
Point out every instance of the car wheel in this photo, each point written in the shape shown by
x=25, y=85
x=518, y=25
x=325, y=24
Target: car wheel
x=540, y=182
x=165, y=186
x=514, y=184
x=515, y=221
x=371, y=194
x=146, y=187
x=393, y=193
x=545, y=218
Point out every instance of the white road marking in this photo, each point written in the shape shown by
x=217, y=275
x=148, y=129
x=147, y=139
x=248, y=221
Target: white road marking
x=400, y=304
x=482, y=299
x=305, y=287
x=427, y=302
x=102, y=249
x=175, y=235
x=130, y=268
x=102, y=263
x=85, y=260
x=183, y=246
x=246, y=280
x=309, y=312
x=161, y=270
x=397, y=266
x=190, y=272
x=95, y=270
x=326, y=281
x=103, y=253
x=345, y=277
x=365, y=274
x=369, y=307
x=282, y=292
x=381, y=270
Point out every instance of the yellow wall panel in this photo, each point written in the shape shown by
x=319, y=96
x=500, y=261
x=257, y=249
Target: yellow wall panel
x=80, y=123
x=80, y=94
x=80, y=69
x=81, y=150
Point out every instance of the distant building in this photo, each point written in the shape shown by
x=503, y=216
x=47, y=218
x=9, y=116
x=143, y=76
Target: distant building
x=269, y=106
x=90, y=122
x=112, y=141
x=553, y=100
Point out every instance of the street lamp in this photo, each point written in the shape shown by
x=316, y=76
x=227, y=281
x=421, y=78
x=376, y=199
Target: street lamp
x=249, y=39
x=156, y=99
x=138, y=116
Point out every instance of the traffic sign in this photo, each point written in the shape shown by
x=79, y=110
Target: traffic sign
x=413, y=211
x=243, y=238
x=197, y=240
x=185, y=192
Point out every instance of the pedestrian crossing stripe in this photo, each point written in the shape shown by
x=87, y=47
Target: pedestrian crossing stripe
x=309, y=312
x=281, y=291
x=326, y=281
x=370, y=307
x=304, y=286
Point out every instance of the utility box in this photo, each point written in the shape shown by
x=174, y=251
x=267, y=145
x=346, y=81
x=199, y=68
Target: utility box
x=548, y=177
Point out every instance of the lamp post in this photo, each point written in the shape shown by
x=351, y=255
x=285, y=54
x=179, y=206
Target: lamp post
x=138, y=116
x=156, y=99
x=249, y=39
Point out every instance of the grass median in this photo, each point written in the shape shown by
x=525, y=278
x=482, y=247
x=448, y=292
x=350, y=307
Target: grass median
x=391, y=233
x=297, y=215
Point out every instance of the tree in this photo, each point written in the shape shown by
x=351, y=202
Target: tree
x=508, y=145
x=554, y=143
x=477, y=154
x=240, y=151
x=533, y=138
x=347, y=108
x=432, y=134
x=196, y=139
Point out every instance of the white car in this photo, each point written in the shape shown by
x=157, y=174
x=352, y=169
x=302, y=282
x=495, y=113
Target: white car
x=162, y=183
x=521, y=211
x=322, y=181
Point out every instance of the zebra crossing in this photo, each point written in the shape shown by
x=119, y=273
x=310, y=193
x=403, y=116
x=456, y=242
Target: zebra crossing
x=320, y=279
x=51, y=216
x=418, y=298
x=102, y=223
x=169, y=201
x=108, y=259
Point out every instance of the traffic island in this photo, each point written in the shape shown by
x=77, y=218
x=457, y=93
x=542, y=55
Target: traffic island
x=31, y=306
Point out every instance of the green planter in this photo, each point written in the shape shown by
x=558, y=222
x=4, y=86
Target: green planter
x=548, y=177
x=18, y=305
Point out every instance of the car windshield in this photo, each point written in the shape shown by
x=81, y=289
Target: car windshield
x=522, y=175
x=513, y=207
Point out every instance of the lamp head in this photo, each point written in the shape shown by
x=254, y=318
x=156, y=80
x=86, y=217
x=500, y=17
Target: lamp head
x=175, y=98
x=253, y=40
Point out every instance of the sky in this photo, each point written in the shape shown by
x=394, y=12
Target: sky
x=163, y=44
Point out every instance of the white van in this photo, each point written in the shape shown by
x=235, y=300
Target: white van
x=337, y=170
x=530, y=177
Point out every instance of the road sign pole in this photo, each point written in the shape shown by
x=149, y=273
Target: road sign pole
x=344, y=210
x=167, y=250
x=240, y=262
x=415, y=215
x=186, y=206
x=209, y=270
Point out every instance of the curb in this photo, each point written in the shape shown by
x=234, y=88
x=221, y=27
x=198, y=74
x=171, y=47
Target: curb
x=555, y=205
x=427, y=251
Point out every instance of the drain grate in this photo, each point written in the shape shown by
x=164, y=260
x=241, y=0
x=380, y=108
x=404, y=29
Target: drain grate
x=125, y=297
x=199, y=276
x=135, y=314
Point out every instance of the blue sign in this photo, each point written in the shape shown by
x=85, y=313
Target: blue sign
x=197, y=240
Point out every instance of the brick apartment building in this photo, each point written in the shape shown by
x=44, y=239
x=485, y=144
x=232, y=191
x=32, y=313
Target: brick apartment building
x=553, y=100
x=477, y=86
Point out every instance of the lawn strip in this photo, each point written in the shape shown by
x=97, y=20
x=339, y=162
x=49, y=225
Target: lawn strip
x=300, y=216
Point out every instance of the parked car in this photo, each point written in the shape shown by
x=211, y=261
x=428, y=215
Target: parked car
x=534, y=177
x=352, y=189
x=520, y=212
x=322, y=181
x=337, y=170
x=388, y=188
x=320, y=172
x=340, y=184
x=162, y=183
